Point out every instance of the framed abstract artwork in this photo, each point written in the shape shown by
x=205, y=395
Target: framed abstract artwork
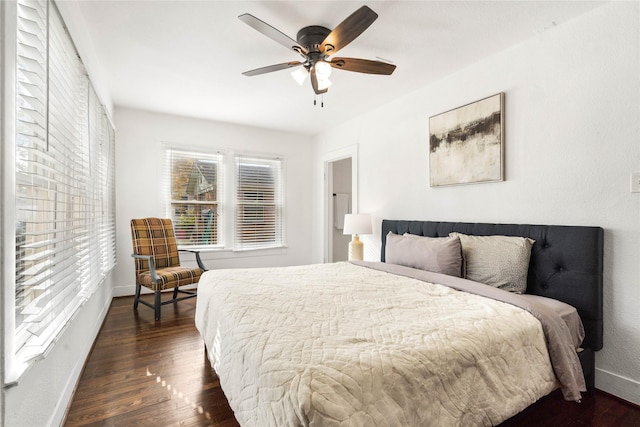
x=466, y=144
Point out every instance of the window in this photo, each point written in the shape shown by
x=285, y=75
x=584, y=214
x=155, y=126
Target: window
x=64, y=193
x=196, y=195
x=259, y=202
x=197, y=200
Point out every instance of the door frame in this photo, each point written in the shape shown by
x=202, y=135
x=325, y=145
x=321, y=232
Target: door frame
x=351, y=152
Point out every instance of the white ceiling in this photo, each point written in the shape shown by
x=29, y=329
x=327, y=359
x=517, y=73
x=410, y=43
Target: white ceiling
x=186, y=57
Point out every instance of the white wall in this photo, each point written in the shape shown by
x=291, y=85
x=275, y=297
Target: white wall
x=139, y=193
x=572, y=98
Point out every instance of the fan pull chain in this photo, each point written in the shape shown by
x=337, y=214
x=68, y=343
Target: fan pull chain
x=315, y=97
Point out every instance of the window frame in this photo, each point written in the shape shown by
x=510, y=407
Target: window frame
x=278, y=203
x=169, y=150
x=227, y=201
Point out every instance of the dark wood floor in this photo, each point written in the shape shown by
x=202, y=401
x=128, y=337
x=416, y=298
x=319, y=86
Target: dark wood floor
x=147, y=373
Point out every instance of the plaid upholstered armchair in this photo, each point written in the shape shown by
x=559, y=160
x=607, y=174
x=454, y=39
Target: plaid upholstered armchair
x=157, y=262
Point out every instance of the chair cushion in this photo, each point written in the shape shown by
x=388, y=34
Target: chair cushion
x=171, y=277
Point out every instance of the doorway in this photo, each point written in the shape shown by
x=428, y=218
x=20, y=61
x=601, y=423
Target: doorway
x=341, y=200
x=341, y=197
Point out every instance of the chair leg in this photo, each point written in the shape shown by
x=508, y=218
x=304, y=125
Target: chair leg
x=175, y=292
x=137, y=297
x=157, y=305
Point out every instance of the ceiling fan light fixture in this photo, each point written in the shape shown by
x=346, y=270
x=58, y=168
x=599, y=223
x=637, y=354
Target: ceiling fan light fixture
x=323, y=84
x=317, y=45
x=323, y=70
x=300, y=75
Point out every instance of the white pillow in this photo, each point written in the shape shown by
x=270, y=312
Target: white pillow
x=499, y=261
x=436, y=254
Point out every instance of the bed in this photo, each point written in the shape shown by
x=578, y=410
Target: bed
x=366, y=343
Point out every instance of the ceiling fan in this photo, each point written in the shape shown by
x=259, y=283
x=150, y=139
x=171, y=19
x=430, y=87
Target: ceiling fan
x=317, y=44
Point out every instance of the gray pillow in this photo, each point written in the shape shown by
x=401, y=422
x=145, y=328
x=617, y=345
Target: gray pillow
x=499, y=261
x=436, y=254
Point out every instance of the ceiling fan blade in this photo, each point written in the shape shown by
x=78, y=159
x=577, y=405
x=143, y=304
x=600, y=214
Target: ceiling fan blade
x=314, y=82
x=272, y=33
x=348, y=30
x=271, y=68
x=362, y=66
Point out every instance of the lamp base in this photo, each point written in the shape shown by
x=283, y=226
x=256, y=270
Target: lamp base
x=356, y=249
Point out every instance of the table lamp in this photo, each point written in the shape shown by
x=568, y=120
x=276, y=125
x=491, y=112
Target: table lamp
x=356, y=224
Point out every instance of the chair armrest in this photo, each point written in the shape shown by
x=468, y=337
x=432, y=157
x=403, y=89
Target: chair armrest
x=197, y=253
x=152, y=266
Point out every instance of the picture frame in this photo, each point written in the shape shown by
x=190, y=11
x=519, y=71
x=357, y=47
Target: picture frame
x=466, y=144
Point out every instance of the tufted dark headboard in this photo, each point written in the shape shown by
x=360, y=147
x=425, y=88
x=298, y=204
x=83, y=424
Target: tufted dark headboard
x=566, y=262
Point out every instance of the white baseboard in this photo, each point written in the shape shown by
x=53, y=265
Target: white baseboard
x=124, y=291
x=624, y=388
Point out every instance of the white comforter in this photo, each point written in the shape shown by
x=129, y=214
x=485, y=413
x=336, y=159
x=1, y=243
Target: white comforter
x=344, y=345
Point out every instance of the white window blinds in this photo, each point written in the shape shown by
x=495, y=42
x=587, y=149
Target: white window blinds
x=102, y=175
x=64, y=197
x=196, y=197
x=259, y=203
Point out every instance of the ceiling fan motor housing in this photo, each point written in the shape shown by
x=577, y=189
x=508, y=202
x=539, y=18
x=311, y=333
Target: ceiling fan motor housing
x=312, y=36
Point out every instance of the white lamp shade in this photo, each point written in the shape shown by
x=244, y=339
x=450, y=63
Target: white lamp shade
x=323, y=84
x=299, y=75
x=357, y=224
x=323, y=70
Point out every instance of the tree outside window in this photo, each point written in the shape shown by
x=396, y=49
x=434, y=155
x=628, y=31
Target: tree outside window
x=195, y=204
